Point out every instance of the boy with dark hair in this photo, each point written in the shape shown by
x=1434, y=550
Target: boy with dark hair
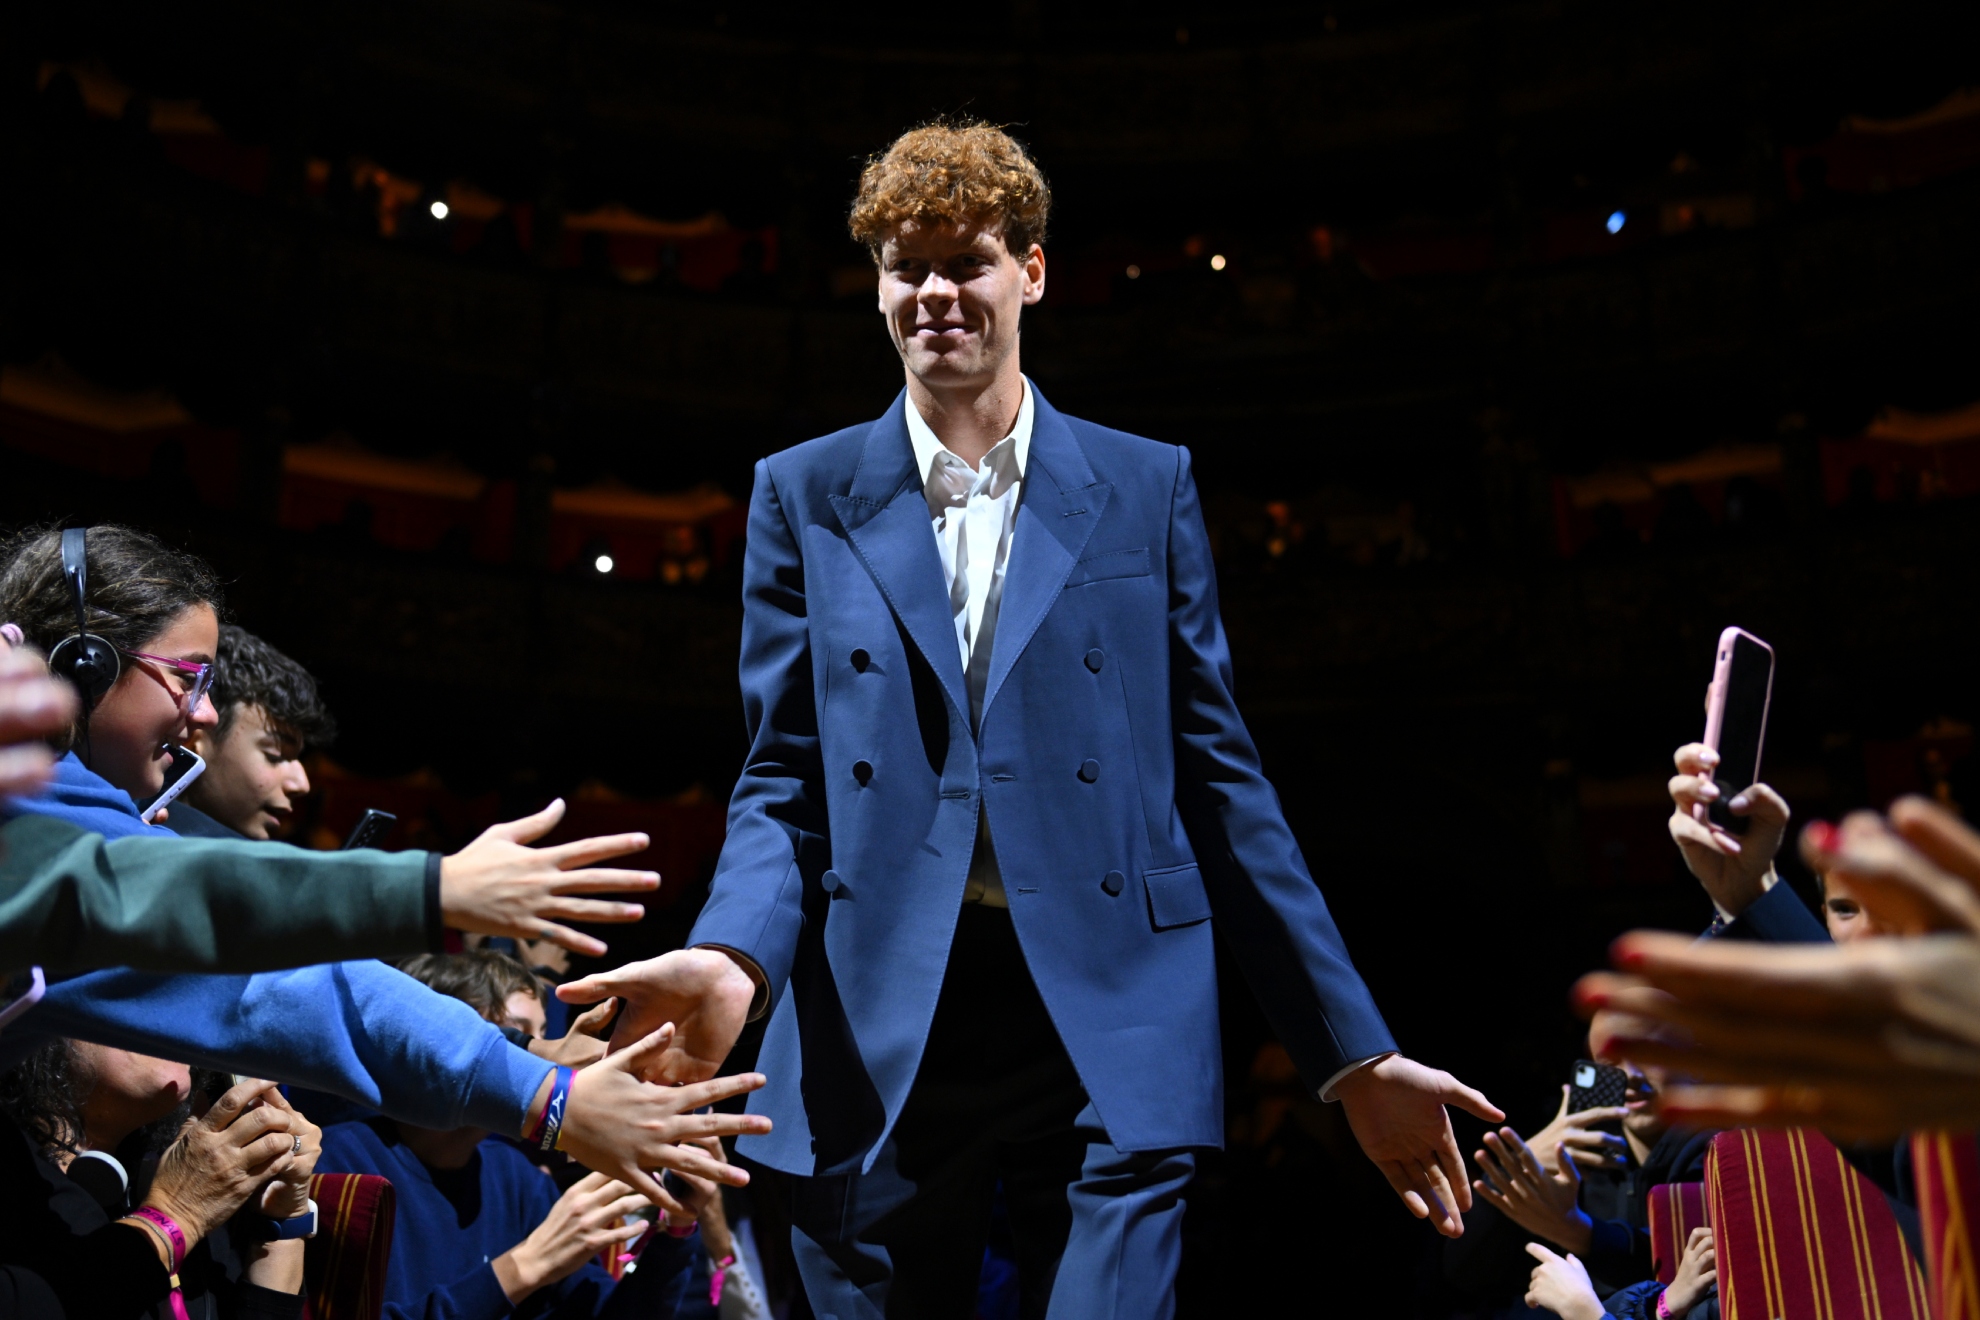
x=270, y=714
x=481, y=1231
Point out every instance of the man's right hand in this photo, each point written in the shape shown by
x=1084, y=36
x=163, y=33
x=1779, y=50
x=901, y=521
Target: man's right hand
x=1735, y=870
x=705, y=993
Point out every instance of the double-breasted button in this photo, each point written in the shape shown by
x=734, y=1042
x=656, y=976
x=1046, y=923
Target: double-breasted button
x=861, y=659
x=1113, y=882
x=862, y=771
x=1089, y=770
x=1094, y=659
x=829, y=882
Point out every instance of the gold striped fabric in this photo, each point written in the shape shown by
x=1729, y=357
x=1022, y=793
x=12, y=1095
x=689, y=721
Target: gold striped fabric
x=1946, y=1169
x=1801, y=1235
x=344, y=1264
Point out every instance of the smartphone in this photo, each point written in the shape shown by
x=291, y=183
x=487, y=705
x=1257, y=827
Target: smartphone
x=1736, y=719
x=1596, y=1086
x=371, y=829
x=187, y=765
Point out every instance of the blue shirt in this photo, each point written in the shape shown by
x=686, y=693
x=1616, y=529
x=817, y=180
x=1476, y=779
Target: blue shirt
x=359, y=1030
x=453, y=1223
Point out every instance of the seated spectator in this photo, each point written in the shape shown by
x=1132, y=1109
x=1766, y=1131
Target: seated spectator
x=481, y=1231
x=1561, y=1285
x=1605, y=1222
x=359, y=1030
x=71, y=1173
x=269, y=714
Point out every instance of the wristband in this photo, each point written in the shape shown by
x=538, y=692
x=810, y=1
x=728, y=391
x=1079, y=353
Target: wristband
x=716, y=1277
x=174, y=1238
x=1664, y=1305
x=548, y=1131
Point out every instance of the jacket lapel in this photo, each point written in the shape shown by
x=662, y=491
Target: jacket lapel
x=1060, y=508
x=885, y=515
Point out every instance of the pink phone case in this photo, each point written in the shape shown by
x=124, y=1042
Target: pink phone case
x=1715, y=698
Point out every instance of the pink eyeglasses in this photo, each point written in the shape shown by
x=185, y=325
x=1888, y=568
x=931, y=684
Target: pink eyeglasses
x=194, y=677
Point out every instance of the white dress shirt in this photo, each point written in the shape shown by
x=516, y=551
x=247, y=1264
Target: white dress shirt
x=974, y=514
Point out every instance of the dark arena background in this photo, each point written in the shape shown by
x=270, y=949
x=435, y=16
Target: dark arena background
x=1520, y=347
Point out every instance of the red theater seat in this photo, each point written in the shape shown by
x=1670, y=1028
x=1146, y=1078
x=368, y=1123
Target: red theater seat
x=1946, y=1168
x=344, y=1264
x=1801, y=1233
x=1675, y=1209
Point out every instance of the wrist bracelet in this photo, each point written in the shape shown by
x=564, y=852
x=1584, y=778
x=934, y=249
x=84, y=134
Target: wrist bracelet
x=548, y=1131
x=1664, y=1305
x=174, y=1238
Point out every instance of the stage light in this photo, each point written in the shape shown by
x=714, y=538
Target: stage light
x=439, y=210
x=603, y=563
x=1134, y=272
x=1616, y=221
x=1217, y=262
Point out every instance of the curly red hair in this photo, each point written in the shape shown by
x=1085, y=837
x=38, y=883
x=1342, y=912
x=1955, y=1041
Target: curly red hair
x=960, y=173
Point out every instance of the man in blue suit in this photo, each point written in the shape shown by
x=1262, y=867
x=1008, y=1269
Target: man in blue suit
x=997, y=792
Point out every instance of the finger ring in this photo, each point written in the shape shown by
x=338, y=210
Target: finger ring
x=297, y=1148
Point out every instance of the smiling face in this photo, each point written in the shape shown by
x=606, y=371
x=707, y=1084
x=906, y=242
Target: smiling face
x=952, y=296
x=146, y=707
x=253, y=776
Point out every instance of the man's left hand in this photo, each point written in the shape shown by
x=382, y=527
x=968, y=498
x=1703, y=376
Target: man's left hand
x=1396, y=1108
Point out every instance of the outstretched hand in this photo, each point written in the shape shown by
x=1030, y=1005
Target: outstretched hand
x=618, y=1125
x=1396, y=1108
x=498, y=885
x=33, y=706
x=704, y=992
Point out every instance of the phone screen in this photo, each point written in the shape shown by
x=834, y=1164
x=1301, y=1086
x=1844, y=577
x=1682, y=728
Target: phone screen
x=1742, y=730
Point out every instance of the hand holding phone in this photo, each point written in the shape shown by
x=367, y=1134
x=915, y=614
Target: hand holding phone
x=371, y=829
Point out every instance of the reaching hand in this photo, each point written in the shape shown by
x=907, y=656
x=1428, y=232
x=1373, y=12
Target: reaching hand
x=33, y=706
x=1539, y=1201
x=497, y=885
x=1697, y=1274
x=614, y=1123
x=584, y=1044
x=704, y=992
x=1396, y=1108
x=586, y=1219
x=1583, y=1142
x=221, y=1159
x=1560, y=1284
x=1734, y=870
x=1866, y=1041
x=1917, y=874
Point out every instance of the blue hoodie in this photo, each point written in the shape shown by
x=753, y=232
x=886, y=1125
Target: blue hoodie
x=360, y=1030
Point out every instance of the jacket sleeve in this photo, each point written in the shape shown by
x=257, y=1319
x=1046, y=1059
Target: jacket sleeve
x=72, y=901
x=360, y=1030
x=1777, y=917
x=779, y=802
x=1261, y=892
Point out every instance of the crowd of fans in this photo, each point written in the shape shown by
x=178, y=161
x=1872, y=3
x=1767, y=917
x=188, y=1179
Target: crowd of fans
x=165, y=953
x=162, y=962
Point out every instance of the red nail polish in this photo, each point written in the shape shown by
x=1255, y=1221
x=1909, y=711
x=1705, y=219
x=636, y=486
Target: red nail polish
x=1822, y=836
x=1629, y=957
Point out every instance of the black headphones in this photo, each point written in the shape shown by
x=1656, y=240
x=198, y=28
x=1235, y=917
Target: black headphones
x=90, y=663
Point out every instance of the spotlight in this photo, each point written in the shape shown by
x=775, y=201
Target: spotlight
x=1134, y=272
x=1616, y=221
x=603, y=563
x=439, y=210
x=1217, y=262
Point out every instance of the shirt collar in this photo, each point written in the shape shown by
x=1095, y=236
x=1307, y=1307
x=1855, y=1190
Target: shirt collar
x=927, y=446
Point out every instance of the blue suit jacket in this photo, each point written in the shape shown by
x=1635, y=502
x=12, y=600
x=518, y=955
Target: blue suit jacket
x=1124, y=794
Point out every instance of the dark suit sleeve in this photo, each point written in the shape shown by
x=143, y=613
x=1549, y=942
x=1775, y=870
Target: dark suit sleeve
x=1261, y=893
x=1777, y=917
x=72, y=901
x=753, y=906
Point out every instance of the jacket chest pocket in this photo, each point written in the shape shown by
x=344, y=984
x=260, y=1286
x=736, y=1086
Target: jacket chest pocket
x=1109, y=566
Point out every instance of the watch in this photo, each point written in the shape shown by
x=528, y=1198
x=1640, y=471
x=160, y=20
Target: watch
x=297, y=1226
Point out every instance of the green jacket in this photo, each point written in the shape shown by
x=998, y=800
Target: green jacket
x=71, y=901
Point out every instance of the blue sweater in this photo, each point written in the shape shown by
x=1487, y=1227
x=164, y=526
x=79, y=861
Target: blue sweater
x=360, y=1030
x=453, y=1223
